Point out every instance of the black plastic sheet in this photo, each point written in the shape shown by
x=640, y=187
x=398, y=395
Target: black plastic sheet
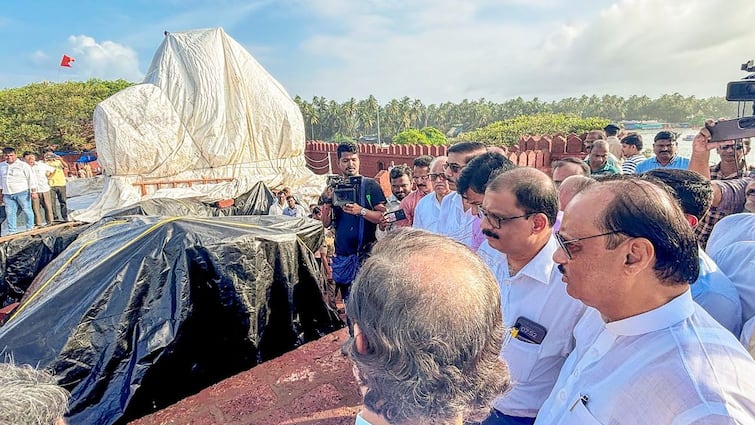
x=254, y=202
x=140, y=312
x=23, y=256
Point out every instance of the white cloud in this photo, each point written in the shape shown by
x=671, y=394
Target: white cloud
x=105, y=60
x=450, y=50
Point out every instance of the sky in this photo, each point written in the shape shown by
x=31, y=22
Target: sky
x=433, y=50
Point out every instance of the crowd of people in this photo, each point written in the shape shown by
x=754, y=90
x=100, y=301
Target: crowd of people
x=617, y=289
x=36, y=188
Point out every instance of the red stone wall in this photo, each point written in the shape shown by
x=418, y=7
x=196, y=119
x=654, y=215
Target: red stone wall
x=532, y=151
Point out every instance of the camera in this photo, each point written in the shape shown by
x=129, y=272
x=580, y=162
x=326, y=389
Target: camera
x=345, y=189
x=738, y=91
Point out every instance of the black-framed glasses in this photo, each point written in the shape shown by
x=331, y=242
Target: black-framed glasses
x=750, y=192
x=497, y=221
x=440, y=176
x=563, y=243
x=455, y=168
x=732, y=147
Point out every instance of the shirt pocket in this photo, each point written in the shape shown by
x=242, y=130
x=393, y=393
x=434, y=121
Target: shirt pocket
x=580, y=414
x=522, y=358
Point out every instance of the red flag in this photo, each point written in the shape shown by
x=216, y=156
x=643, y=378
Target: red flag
x=66, y=61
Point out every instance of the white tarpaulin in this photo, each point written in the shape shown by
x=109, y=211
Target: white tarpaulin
x=206, y=109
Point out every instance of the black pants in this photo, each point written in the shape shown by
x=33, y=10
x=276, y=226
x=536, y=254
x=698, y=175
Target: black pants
x=345, y=290
x=60, y=207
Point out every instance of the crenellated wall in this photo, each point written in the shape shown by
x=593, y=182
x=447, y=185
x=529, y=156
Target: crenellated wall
x=532, y=151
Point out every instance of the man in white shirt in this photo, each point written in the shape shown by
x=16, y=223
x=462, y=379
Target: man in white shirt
x=520, y=208
x=614, y=144
x=277, y=207
x=17, y=187
x=455, y=219
x=426, y=338
x=44, y=200
x=646, y=353
x=428, y=208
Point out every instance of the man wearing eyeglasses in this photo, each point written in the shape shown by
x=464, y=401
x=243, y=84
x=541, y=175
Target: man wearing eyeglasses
x=731, y=166
x=519, y=210
x=421, y=179
x=455, y=219
x=664, y=146
x=428, y=209
x=645, y=352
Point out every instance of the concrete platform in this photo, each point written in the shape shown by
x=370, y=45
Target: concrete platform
x=313, y=384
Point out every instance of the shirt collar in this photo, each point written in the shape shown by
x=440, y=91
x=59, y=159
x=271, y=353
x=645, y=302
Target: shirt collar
x=541, y=266
x=360, y=420
x=667, y=315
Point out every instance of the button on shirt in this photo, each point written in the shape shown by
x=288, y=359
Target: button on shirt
x=427, y=212
x=536, y=293
x=454, y=221
x=16, y=177
x=672, y=365
x=652, y=163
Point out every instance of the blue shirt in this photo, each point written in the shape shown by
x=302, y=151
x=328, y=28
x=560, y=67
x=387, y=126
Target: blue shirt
x=717, y=295
x=679, y=162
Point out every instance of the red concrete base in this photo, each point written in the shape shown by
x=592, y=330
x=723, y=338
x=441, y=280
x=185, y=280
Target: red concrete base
x=313, y=384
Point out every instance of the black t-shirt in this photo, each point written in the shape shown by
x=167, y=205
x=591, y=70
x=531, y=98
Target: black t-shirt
x=347, y=225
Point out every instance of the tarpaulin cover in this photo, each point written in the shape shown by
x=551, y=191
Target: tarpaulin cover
x=140, y=312
x=206, y=109
x=23, y=256
x=255, y=202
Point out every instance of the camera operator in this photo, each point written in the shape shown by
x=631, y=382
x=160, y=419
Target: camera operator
x=354, y=222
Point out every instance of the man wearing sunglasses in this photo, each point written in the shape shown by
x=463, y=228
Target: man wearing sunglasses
x=455, y=219
x=645, y=351
x=519, y=210
x=731, y=166
x=428, y=209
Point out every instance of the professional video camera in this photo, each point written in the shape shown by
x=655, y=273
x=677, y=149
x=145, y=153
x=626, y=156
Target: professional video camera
x=345, y=189
x=738, y=91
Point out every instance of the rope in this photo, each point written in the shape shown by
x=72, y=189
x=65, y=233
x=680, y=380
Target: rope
x=325, y=159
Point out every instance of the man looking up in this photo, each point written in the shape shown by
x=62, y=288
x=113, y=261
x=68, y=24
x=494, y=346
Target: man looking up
x=520, y=208
x=569, y=167
x=428, y=209
x=18, y=186
x=631, y=151
x=354, y=222
x=732, y=166
x=421, y=179
x=427, y=338
x=645, y=352
x=664, y=146
x=455, y=220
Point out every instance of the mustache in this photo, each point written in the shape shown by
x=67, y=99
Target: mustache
x=561, y=269
x=490, y=234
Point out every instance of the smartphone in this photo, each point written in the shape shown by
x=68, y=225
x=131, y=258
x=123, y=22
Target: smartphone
x=394, y=216
x=733, y=129
x=530, y=331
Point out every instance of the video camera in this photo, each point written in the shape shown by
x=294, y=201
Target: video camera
x=738, y=91
x=345, y=189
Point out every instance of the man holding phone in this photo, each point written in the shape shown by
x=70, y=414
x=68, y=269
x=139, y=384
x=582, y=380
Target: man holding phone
x=519, y=211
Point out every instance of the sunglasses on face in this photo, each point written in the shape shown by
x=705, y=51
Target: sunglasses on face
x=565, y=243
x=732, y=147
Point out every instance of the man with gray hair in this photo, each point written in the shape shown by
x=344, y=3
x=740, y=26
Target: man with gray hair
x=426, y=338
x=30, y=397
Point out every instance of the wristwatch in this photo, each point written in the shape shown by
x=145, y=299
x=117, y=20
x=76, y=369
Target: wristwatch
x=363, y=212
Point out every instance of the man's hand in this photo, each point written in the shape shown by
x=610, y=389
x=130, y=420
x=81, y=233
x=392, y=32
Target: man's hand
x=702, y=144
x=34, y=195
x=352, y=208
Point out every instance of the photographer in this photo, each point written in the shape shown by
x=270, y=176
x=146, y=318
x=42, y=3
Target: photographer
x=354, y=222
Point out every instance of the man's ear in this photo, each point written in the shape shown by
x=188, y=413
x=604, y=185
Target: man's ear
x=540, y=222
x=361, y=344
x=639, y=255
x=691, y=219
